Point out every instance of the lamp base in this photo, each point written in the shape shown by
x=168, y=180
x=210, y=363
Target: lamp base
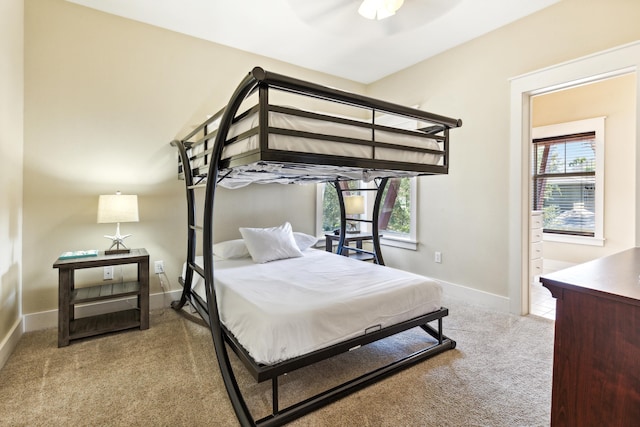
x=118, y=242
x=117, y=251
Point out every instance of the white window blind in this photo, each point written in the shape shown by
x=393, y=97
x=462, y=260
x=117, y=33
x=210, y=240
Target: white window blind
x=564, y=183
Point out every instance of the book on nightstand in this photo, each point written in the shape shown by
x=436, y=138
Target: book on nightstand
x=79, y=254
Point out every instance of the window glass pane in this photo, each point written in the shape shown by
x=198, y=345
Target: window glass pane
x=330, y=209
x=569, y=204
x=565, y=157
x=395, y=210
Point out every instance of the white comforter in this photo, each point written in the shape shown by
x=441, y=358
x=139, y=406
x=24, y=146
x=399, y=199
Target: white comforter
x=287, y=308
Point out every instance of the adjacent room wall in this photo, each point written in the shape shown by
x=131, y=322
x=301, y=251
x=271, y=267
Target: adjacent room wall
x=615, y=100
x=104, y=97
x=465, y=214
x=11, y=143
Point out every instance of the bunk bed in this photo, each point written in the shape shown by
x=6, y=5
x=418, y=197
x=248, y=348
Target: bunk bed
x=256, y=140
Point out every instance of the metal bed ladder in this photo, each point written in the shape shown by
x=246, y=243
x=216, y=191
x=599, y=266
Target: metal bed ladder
x=378, y=190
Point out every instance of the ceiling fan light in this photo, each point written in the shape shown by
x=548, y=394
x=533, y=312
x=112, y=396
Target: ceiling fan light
x=368, y=9
x=379, y=9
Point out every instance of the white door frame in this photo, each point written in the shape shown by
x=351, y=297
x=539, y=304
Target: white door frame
x=610, y=63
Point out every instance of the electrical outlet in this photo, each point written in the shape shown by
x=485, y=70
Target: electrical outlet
x=159, y=267
x=108, y=273
x=438, y=257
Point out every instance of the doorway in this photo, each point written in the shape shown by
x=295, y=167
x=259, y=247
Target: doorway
x=570, y=129
x=594, y=68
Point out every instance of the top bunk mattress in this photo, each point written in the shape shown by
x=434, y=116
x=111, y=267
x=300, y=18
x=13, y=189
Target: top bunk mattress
x=326, y=134
x=287, y=308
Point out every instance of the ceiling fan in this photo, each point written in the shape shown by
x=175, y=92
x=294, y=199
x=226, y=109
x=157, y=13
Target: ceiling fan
x=379, y=9
x=342, y=17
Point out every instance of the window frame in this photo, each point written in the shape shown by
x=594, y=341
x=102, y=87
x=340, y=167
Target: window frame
x=399, y=240
x=597, y=125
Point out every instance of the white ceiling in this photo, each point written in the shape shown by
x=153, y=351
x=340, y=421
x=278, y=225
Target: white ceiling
x=329, y=35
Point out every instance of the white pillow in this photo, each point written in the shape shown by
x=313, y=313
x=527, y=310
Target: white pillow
x=270, y=244
x=304, y=241
x=231, y=249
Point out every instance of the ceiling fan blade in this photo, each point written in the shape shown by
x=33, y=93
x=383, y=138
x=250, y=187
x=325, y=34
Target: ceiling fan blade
x=311, y=11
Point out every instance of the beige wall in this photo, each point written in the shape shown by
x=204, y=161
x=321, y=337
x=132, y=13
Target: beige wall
x=615, y=100
x=104, y=97
x=465, y=214
x=11, y=141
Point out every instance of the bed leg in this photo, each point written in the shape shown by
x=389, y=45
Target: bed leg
x=274, y=395
x=437, y=334
x=177, y=305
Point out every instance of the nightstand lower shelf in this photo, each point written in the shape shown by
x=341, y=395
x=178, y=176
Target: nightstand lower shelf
x=103, y=323
x=102, y=292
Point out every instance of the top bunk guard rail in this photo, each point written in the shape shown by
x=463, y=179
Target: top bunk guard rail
x=205, y=167
x=312, y=89
x=373, y=154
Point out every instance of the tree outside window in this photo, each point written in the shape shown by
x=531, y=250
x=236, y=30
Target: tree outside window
x=395, y=212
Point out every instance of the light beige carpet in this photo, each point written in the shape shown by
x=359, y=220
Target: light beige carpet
x=499, y=375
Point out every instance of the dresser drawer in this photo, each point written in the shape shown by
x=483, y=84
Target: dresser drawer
x=536, y=221
x=536, y=250
x=535, y=268
x=536, y=235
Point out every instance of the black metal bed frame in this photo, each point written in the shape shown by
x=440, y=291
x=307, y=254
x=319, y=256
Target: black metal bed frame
x=259, y=79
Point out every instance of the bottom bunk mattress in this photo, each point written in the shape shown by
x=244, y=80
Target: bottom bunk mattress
x=287, y=308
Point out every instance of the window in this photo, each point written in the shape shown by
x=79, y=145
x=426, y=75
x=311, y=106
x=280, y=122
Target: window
x=397, y=219
x=567, y=180
x=397, y=211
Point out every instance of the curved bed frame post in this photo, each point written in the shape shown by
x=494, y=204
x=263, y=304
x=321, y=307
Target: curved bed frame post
x=191, y=222
x=343, y=217
x=239, y=405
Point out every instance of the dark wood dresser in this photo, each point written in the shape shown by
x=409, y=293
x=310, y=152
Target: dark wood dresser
x=596, y=361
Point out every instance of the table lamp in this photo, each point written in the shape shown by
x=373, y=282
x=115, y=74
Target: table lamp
x=117, y=208
x=353, y=207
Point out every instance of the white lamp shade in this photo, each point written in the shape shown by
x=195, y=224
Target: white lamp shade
x=354, y=205
x=117, y=208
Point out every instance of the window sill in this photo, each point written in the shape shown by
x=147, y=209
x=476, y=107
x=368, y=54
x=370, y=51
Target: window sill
x=399, y=242
x=575, y=240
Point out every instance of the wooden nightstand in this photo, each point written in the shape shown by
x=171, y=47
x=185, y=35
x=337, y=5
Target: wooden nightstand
x=70, y=328
x=358, y=238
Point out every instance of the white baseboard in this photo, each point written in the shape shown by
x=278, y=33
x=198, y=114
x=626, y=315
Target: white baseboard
x=9, y=343
x=475, y=297
x=49, y=319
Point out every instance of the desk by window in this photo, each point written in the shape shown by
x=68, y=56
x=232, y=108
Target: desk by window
x=356, y=238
